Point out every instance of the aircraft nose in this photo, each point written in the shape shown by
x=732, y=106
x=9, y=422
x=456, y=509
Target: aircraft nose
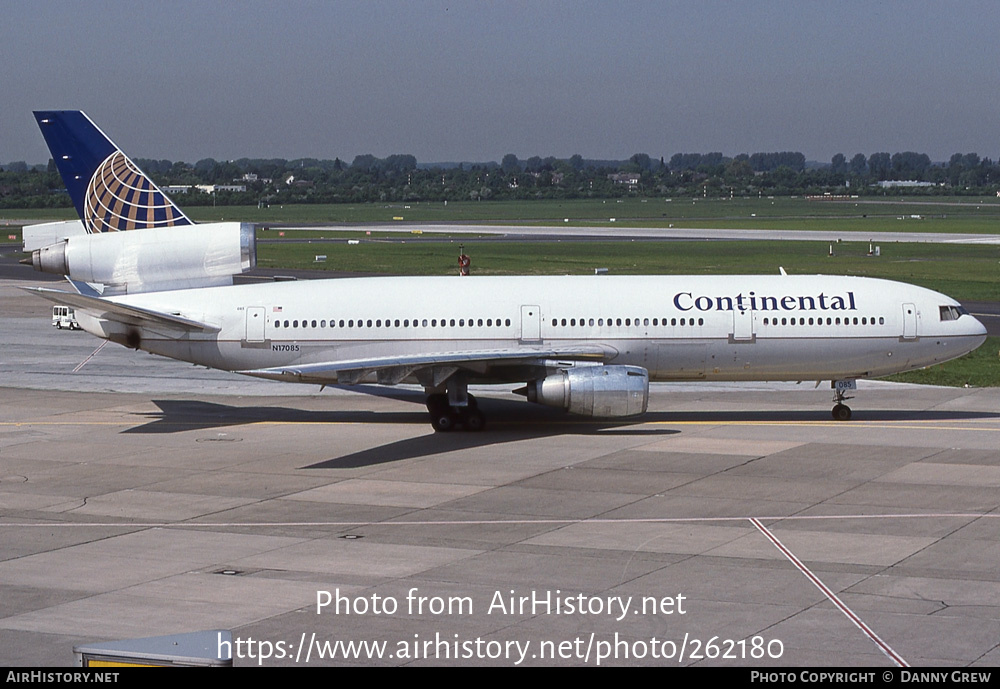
x=976, y=326
x=974, y=331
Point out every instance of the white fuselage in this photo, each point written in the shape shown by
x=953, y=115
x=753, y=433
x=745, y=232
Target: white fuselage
x=744, y=327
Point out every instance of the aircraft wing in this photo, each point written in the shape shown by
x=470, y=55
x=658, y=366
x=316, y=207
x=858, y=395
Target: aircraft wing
x=121, y=313
x=437, y=367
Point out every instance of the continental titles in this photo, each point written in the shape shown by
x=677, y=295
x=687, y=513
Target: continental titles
x=687, y=301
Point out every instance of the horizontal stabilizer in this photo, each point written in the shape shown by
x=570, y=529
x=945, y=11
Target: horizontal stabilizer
x=87, y=289
x=121, y=313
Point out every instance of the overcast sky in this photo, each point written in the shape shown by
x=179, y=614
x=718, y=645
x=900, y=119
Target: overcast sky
x=463, y=80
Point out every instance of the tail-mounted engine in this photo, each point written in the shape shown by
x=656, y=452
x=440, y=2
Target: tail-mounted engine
x=153, y=259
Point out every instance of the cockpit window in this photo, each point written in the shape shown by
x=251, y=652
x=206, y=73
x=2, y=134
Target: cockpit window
x=951, y=313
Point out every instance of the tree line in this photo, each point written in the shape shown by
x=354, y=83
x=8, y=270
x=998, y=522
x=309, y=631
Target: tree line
x=368, y=178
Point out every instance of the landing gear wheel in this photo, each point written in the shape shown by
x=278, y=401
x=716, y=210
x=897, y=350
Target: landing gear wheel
x=443, y=422
x=474, y=420
x=842, y=412
x=446, y=418
x=442, y=418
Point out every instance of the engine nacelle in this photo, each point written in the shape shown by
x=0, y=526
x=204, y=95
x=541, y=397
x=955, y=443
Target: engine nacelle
x=594, y=390
x=154, y=259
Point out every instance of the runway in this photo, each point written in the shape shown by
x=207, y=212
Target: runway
x=616, y=230
x=731, y=525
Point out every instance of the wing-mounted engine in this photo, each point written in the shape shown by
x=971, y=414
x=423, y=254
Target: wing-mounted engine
x=602, y=391
x=153, y=259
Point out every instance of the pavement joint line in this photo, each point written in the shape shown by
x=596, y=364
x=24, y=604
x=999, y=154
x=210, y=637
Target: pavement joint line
x=818, y=583
x=484, y=522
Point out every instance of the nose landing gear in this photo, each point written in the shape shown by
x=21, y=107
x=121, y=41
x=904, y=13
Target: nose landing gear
x=841, y=412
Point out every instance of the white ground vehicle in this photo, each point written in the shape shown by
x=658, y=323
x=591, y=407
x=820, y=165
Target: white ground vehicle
x=64, y=317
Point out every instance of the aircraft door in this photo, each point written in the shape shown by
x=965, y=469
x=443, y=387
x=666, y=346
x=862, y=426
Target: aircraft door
x=909, y=322
x=743, y=330
x=531, y=323
x=255, y=324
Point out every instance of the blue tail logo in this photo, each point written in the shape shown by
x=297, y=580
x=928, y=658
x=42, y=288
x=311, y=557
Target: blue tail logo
x=109, y=191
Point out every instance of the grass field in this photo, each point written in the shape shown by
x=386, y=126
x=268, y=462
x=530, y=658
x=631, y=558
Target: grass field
x=968, y=273
x=979, y=369
x=945, y=214
x=962, y=271
x=937, y=214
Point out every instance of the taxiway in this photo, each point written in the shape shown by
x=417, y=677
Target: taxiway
x=143, y=496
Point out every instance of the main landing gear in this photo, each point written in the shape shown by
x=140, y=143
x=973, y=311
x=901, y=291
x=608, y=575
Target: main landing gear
x=447, y=417
x=841, y=412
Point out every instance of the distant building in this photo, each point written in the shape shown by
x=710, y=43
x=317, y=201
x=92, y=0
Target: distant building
x=212, y=188
x=204, y=188
x=252, y=177
x=629, y=178
x=890, y=183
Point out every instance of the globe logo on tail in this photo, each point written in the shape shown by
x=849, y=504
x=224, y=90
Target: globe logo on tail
x=120, y=197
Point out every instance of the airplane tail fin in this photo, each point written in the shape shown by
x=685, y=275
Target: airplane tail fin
x=109, y=191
